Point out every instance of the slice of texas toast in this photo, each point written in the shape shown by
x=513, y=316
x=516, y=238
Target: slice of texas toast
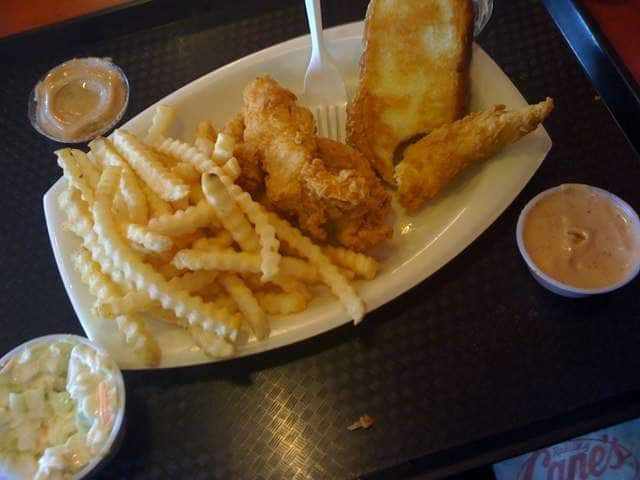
x=413, y=74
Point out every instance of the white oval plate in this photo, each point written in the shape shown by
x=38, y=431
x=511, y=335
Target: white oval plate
x=421, y=243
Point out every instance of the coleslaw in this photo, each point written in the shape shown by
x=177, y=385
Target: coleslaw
x=58, y=403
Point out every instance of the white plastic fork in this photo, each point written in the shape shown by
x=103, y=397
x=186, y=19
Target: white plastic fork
x=324, y=93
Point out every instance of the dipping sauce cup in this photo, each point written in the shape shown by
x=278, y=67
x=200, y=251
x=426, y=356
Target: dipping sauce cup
x=579, y=240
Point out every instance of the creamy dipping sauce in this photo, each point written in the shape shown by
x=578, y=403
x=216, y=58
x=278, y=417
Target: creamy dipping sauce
x=579, y=237
x=58, y=404
x=80, y=99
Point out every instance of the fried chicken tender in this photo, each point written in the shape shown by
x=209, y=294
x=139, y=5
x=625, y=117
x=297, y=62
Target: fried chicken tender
x=363, y=226
x=248, y=156
x=251, y=177
x=285, y=134
x=428, y=165
x=310, y=181
x=234, y=127
x=347, y=186
x=414, y=75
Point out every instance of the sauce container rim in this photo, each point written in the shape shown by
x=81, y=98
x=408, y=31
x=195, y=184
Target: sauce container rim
x=119, y=380
x=546, y=279
x=32, y=105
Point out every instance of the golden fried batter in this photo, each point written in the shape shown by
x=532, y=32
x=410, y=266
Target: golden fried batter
x=428, y=165
x=251, y=177
x=363, y=226
x=234, y=127
x=323, y=188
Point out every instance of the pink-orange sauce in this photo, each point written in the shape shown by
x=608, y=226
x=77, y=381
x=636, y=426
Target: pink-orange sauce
x=581, y=238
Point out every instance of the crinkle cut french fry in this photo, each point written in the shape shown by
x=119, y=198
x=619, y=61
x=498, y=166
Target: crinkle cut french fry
x=254, y=211
x=213, y=258
x=133, y=196
x=184, y=221
x=298, y=268
x=229, y=214
x=211, y=344
x=363, y=265
x=142, y=275
x=196, y=195
x=100, y=285
x=292, y=285
x=186, y=240
x=186, y=172
x=204, y=146
x=194, y=281
x=74, y=174
x=87, y=168
x=142, y=159
x=120, y=209
x=252, y=280
x=225, y=260
x=346, y=273
x=79, y=219
x=223, y=149
x=168, y=271
x=224, y=301
x=140, y=300
x=131, y=192
x=141, y=249
x=166, y=160
x=157, y=206
x=139, y=339
x=247, y=303
x=104, y=152
x=232, y=168
x=186, y=153
x=149, y=240
x=256, y=214
x=281, y=303
x=80, y=222
x=205, y=138
x=166, y=316
x=161, y=122
x=181, y=204
x=328, y=272
x=220, y=241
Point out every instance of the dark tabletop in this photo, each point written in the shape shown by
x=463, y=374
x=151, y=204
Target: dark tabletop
x=476, y=363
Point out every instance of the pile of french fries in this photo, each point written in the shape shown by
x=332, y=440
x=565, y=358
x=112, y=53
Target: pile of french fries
x=167, y=235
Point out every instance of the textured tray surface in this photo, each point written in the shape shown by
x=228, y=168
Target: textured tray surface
x=476, y=350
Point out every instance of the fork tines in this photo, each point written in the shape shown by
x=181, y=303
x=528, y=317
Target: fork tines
x=331, y=121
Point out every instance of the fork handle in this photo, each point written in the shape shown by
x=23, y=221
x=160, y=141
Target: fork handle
x=314, y=15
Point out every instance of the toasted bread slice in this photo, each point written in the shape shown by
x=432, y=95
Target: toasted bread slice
x=413, y=74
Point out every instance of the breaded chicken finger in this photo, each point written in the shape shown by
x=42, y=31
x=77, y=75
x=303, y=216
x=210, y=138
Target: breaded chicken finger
x=428, y=165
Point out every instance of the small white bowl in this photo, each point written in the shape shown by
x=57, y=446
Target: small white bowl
x=114, y=437
x=562, y=288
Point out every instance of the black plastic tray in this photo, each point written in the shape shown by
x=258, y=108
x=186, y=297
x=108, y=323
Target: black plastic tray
x=473, y=365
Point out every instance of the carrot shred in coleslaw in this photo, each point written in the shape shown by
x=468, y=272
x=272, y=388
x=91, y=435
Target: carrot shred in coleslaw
x=6, y=365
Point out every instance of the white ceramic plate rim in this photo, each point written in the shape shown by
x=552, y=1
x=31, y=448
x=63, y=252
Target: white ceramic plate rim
x=403, y=278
